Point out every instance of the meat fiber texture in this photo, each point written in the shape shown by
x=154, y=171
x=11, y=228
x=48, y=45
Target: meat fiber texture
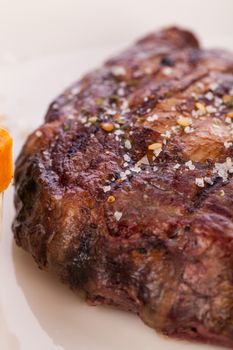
x=126, y=190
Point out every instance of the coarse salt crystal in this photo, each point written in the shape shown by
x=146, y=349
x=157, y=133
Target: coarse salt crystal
x=213, y=86
x=175, y=128
x=152, y=118
x=209, y=96
x=83, y=120
x=136, y=169
x=119, y=132
x=126, y=157
x=118, y=70
x=157, y=152
x=188, y=129
x=87, y=124
x=124, y=174
x=217, y=101
x=38, y=133
x=120, y=92
x=208, y=180
x=106, y=188
x=144, y=160
x=167, y=71
x=199, y=182
x=195, y=113
x=125, y=104
x=75, y=90
x=189, y=164
x=117, y=215
x=211, y=109
x=223, y=169
x=227, y=144
x=177, y=166
x=128, y=144
x=166, y=134
x=92, y=119
x=110, y=111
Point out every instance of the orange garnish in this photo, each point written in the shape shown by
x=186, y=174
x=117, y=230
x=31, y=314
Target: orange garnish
x=6, y=164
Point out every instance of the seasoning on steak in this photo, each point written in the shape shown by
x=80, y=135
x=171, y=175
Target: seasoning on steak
x=126, y=190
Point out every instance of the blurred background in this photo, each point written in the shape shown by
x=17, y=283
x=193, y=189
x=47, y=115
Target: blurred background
x=31, y=28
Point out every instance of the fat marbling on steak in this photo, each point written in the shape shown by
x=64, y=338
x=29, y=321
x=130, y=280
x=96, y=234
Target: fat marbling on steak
x=126, y=192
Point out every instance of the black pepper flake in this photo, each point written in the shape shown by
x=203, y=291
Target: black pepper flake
x=230, y=104
x=85, y=112
x=99, y=101
x=66, y=127
x=113, y=99
x=142, y=250
x=125, y=127
x=166, y=61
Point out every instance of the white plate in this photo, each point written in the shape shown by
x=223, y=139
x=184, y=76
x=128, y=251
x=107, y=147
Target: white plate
x=36, y=311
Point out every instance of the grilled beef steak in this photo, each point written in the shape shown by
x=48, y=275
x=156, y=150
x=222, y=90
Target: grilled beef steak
x=125, y=191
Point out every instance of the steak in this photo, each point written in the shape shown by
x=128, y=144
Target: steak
x=126, y=190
